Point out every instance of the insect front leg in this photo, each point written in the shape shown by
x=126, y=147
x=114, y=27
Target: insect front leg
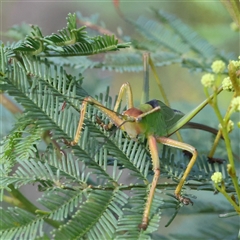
x=107, y=127
x=125, y=89
x=81, y=120
x=113, y=116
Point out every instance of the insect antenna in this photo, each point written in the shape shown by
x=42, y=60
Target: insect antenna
x=66, y=98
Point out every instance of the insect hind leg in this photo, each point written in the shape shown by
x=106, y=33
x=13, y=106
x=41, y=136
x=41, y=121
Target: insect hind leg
x=193, y=151
x=156, y=168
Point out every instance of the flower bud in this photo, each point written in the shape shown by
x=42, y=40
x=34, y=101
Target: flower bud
x=217, y=177
x=227, y=84
x=218, y=66
x=235, y=104
x=207, y=80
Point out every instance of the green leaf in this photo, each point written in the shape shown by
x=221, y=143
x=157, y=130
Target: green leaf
x=96, y=189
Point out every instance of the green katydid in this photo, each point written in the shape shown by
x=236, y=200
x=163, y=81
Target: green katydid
x=156, y=122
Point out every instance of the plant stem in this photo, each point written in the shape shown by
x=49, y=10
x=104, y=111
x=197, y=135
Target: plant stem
x=233, y=8
x=145, y=93
x=215, y=144
x=222, y=190
x=8, y=104
x=20, y=201
x=224, y=122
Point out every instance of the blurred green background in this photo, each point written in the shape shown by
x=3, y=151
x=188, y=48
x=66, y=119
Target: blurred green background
x=208, y=18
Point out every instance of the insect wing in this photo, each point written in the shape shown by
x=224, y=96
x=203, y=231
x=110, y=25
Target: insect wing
x=170, y=115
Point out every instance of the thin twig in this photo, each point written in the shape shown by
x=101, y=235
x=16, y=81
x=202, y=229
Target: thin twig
x=8, y=104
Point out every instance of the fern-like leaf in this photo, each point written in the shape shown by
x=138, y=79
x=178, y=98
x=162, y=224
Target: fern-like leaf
x=98, y=45
x=17, y=223
x=96, y=217
x=70, y=41
x=83, y=195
